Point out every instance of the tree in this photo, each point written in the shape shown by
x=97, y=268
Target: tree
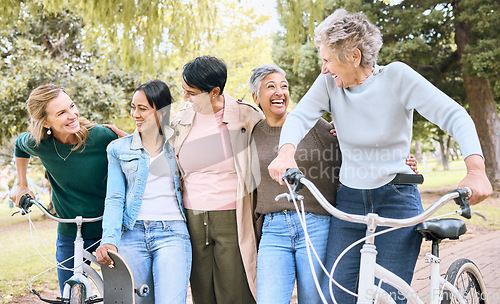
x=454, y=44
x=38, y=45
x=477, y=41
x=41, y=47
x=140, y=30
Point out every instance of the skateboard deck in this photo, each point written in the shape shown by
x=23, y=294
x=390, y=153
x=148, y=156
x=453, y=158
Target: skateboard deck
x=118, y=281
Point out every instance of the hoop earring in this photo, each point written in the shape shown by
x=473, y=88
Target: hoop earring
x=48, y=131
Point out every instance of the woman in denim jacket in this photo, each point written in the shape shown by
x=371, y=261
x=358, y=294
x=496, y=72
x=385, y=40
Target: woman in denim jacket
x=143, y=215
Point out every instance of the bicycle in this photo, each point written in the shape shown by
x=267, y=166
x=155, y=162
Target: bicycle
x=78, y=289
x=463, y=282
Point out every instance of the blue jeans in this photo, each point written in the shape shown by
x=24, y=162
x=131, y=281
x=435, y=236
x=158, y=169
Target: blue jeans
x=159, y=254
x=282, y=257
x=397, y=250
x=66, y=250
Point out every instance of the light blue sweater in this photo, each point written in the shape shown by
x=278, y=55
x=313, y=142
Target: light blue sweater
x=374, y=121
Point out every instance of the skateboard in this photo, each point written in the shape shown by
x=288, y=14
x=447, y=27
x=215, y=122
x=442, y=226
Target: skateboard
x=119, y=282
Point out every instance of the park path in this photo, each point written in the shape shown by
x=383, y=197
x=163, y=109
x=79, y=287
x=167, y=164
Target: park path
x=480, y=245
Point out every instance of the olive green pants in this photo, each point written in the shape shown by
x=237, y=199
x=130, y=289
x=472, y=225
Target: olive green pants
x=217, y=273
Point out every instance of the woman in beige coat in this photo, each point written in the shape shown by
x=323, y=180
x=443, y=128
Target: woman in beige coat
x=212, y=146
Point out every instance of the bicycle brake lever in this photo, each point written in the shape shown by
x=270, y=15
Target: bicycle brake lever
x=282, y=195
x=22, y=211
x=297, y=197
x=461, y=200
x=474, y=212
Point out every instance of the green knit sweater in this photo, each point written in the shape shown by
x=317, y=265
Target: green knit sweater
x=79, y=182
x=318, y=157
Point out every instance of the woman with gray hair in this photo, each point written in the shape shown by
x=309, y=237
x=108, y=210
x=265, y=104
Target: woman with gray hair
x=372, y=108
x=282, y=256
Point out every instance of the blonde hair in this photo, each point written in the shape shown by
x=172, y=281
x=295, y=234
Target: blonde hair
x=343, y=32
x=37, y=109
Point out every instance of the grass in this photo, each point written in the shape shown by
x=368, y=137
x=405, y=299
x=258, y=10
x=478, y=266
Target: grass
x=20, y=262
x=435, y=179
x=492, y=214
x=434, y=176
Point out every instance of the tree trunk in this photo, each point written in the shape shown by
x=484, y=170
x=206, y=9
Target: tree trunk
x=482, y=107
x=484, y=113
x=418, y=150
x=444, y=153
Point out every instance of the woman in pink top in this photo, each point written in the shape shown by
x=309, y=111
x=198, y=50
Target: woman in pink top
x=212, y=146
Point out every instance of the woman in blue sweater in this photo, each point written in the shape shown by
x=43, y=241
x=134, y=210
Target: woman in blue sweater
x=372, y=108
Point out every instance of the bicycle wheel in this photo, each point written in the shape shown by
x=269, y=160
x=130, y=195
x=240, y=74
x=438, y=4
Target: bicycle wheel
x=77, y=295
x=467, y=278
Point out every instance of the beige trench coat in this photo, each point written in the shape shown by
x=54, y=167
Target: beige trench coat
x=240, y=118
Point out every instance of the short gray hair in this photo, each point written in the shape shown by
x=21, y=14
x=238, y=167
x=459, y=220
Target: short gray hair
x=260, y=73
x=343, y=32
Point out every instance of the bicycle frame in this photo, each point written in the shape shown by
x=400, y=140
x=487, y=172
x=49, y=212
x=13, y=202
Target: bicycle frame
x=81, y=270
x=368, y=292
x=369, y=270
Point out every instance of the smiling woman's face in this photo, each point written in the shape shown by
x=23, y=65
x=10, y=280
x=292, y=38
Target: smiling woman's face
x=62, y=116
x=273, y=96
x=343, y=73
x=142, y=112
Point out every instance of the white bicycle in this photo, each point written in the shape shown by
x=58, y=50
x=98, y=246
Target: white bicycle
x=463, y=282
x=78, y=289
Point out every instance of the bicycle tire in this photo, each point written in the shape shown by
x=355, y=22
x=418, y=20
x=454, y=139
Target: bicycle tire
x=77, y=294
x=466, y=277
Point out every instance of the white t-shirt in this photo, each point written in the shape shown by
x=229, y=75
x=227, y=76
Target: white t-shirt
x=159, y=202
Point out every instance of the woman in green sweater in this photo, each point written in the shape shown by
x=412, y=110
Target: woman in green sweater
x=73, y=152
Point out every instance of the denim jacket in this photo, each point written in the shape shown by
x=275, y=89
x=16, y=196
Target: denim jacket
x=128, y=170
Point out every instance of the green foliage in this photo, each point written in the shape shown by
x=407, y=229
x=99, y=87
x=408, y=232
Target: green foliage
x=142, y=30
x=308, y=66
x=419, y=33
x=46, y=47
x=236, y=40
x=293, y=48
x=483, y=51
x=99, y=57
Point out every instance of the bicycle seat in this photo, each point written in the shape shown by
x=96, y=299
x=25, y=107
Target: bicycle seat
x=448, y=228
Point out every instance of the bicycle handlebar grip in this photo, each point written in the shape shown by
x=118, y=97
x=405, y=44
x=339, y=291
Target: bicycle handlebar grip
x=293, y=176
x=461, y=200
x=25, y=202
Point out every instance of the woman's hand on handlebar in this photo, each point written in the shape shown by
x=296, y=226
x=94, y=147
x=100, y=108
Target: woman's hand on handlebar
x=476, y=179
x=285, y=160
x=102, y=254
x=16, y=194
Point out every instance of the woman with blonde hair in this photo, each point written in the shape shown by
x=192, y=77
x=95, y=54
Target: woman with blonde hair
x=73, y=151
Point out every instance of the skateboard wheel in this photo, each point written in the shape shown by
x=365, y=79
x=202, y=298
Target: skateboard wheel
x=142, y=290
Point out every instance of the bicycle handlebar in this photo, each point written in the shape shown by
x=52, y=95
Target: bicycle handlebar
x=27, y=201
x=296, y=179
